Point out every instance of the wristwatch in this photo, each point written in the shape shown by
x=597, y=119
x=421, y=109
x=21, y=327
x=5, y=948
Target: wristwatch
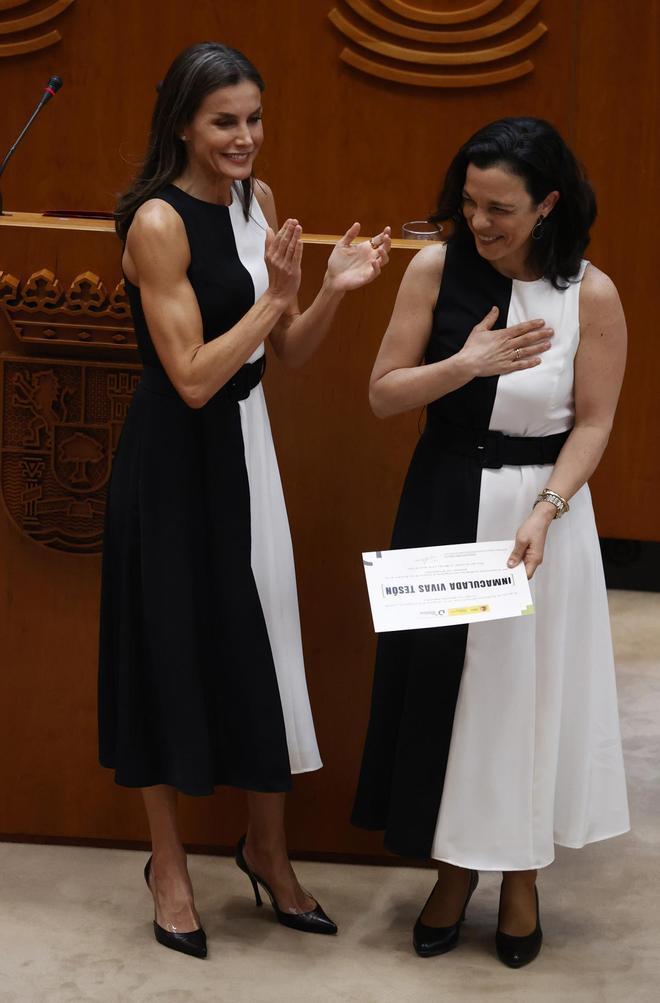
x=551, y=496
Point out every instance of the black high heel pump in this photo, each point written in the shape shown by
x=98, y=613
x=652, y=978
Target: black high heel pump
x=431, y=940
x=192, y=943
x=314, y=921
x=515, y=952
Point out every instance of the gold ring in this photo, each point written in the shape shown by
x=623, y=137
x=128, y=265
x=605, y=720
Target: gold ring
x=516, y=355
x=371, y=241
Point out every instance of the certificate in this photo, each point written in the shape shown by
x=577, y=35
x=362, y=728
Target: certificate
x=441, y=586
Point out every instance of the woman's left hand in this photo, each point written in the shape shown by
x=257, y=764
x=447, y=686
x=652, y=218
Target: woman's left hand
x=353, y=265
x=530, y=539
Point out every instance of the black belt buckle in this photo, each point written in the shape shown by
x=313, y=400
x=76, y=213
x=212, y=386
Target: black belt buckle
x=489, y=449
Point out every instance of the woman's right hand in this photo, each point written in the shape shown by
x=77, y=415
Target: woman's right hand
x=494, y=353
x=283, y=254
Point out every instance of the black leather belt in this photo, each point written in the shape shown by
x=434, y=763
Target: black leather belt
x=247, y=378
x=156, y=381
x=494, y=449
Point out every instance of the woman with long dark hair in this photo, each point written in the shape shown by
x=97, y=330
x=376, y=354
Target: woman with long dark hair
x=491, y=742
x=202, y=680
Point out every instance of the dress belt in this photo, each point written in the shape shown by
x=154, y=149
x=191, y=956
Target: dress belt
x=238, y=388
x=495, y=449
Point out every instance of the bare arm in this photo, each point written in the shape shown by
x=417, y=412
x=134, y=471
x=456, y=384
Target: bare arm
x=297, y=335
x=599, y=367
x=400, y=382
x=156, y=258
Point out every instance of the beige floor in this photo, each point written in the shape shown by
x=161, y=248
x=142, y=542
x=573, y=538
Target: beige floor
x=74, y=922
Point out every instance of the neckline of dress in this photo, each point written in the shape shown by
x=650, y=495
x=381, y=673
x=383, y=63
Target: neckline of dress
x=527, y=282
x=510, y=278
x=215, y=205
x=506, y=278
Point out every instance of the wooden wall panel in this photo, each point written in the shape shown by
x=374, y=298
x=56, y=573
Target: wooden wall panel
x=339, y=145
x=617, y=134
x=342, y=471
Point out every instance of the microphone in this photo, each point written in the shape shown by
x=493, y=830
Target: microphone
x=50, y=90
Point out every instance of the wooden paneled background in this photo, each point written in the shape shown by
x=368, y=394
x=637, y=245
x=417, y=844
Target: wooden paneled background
x=340, y=145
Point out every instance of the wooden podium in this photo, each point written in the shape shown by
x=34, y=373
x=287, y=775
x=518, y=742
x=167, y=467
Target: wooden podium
x=68, y=370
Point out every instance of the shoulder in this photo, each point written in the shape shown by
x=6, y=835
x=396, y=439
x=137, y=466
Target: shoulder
x=418, y=291
x=263, y=192
x=264, y=196
x=155, y=220
x=430, y=260
x=157, y=238
x=599, y=297
x=426, y=268
x=596, y=286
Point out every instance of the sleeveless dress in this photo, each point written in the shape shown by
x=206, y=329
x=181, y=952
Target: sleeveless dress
x=488, y=743
x=201, y=674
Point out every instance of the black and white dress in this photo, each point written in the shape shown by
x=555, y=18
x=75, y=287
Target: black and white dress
x=202, y=680
x=488, y=743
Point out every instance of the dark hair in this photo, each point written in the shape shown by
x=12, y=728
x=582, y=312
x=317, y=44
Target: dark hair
x=533, y=150
x=196, y=72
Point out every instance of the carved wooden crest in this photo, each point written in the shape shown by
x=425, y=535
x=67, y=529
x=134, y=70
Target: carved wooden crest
x=42, y=309
x=60, y=427
x=417, y=44
x=21, y=23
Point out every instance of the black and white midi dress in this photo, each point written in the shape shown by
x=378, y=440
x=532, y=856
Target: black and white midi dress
x=490, y=742
x=201, y=674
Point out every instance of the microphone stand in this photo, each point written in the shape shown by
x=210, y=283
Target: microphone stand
x=53, y=86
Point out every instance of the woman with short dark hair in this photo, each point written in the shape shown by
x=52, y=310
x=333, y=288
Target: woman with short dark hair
x=202, y=679
x=490, y=742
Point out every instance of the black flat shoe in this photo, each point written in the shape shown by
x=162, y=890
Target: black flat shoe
x=431, y=940
x=192, y=943
x=314, y=921
x=516, y=952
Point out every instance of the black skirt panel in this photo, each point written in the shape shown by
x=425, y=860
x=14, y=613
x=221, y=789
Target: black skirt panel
x=418, y=672
x=188, y=691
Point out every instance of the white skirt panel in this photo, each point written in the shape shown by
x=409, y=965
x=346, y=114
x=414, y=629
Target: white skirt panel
x=275, y=577
x=535, y=755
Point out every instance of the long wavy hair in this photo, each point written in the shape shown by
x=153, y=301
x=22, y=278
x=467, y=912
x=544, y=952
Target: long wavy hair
x=196, y=72
x=533, y=150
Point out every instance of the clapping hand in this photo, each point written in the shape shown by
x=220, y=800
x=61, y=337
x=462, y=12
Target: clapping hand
x=283, y=254
x=353, y=265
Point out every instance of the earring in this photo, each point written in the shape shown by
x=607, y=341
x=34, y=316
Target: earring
x=537, y=232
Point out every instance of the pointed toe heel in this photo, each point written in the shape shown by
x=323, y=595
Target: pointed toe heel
x=430, y=941
x=516, y=952
x=192, y=943
x=314, y=921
